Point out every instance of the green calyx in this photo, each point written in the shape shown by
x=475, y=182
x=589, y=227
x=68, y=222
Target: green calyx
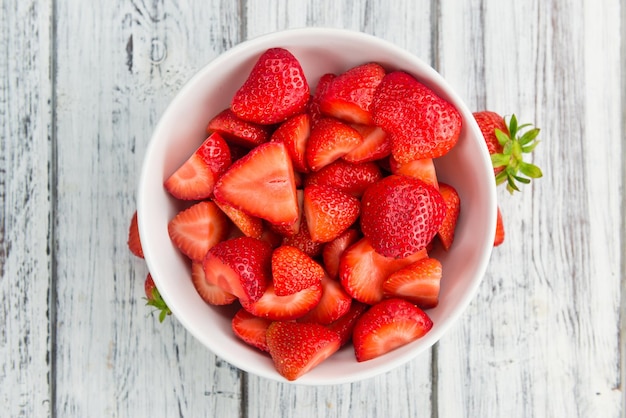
x=520, y=140
x=159, y=304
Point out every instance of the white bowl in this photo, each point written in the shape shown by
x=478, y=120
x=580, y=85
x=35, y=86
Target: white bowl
x=182, y=128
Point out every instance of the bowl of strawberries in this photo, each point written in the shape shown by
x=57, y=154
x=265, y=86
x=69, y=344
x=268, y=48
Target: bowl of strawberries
x=317, y=206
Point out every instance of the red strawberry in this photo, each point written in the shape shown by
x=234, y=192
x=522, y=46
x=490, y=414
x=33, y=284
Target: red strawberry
x=418, y=283
x=261, y=184
x=198, y=228
x=195, y=179
x=488, y=122
x=275, y=89
x=351, y=178
x=293, y=271
x=420, y=123
x=388, y=325
x=249, y=225
x=335, y=302
x=209, y=292
x=294, y=133
x=423, y=169
x=344, y=326
x=251, y=329
x=241, y=266
x=297, y=348
x=238, y=131
x=302, y=240
x=284, y=308
x=154, y=299
x=362, y=271
x=314, y=104
x=328, y=212
x=349, y=95
x=376, y=145
x=499, y=239
x=453, y=208
x=401, y=215
x=134, y=243
x=330, y=140
x=331, y=254
x=288, y=230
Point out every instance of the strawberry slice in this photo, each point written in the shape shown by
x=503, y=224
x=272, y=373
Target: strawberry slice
x=423, y=169
x=314, y=104
x=249, y=225
x=294, y=133
x=376, y=145
x=418, y=283
x=251, y=329
x=344, y=326
x=241, y=266
x=238, y=131
x=330, y=140
x=261, y=184
x=499, y=238
x=196, y=177
x=388, y=325
x=198, y=228
x=335, y=302
x=328, y=212
x=297, y=348
x=293, y=271
x=351, y=178
x=331, y=254
x=302, y=240
x=453, y=208
x=275, y=89
x=134, y=243
x=362, y=271
x=420, y=123
x=210, y=293
x=349, y=95
x=289, y=230
x=284, y=308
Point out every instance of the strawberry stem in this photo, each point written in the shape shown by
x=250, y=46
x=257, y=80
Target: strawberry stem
x=157, y=302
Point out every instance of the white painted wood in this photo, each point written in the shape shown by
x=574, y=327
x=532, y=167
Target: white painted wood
x=25, y=262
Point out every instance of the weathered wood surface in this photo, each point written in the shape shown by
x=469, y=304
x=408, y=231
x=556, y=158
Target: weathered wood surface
x=82, y=85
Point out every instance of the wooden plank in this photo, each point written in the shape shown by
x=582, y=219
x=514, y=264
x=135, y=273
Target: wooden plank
x=118, y=65
x=541, y=338
x=25, y=204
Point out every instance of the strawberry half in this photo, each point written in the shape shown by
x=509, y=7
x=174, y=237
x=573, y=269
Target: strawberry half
x=134, y=243
x=331, y=254
x=249, y=225
x=376, y=145
x=196, y=177
x=251, y=329
x=210, y=293
x=275, y=89
x=330, y=140
x=293, y=271
x=420, y=123
x=418, y=283
x=388, y=325
x=284, y=308
x=351, y=178
x=453, y=208
x=261, y=184
x=241, y=266
x=238, y=131
x=314, y=104
x=349, y=95
x=328, y=212
x=401, y=215
x=302, y=240
x=335, y=302
x=198, y=228
x=294, y=133
x=499, y=238
x=422, y=169
x=297, y=348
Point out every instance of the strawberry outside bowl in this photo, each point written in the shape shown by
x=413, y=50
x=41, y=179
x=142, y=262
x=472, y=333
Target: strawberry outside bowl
x=180, y=131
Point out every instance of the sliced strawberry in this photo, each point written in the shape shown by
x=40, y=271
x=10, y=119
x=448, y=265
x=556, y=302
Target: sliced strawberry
x=335, y=302
x=238, y=131
x=249, y=225
x=332, y=251
x=418, y=283
x=261, y=184
x=251, y=329
x=240, y=266
x=198, y=228
x=294, y=133
x=314, y=104
x=195, y=179
x=453, y=208
x=154, y=299
x=423, y=169
x=351, y=178
x=288, y=230
x=297, y=348
x=376, y=145
x=388, y=325
x=302, y=240
x=349, y=95
x=330, y=140
x=284, y=308
x=275, y=89
x=210, y=293
x=499, y=238
x=328, y=212
x=401, y=215
x=420, y=123
x=134, y=243
x=344, y=326
x=293, y=271
x=362, y=271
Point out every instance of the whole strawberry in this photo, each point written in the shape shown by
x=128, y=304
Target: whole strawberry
x=154, y=299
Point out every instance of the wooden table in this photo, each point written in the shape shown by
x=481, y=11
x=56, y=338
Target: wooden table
x=82, y=85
